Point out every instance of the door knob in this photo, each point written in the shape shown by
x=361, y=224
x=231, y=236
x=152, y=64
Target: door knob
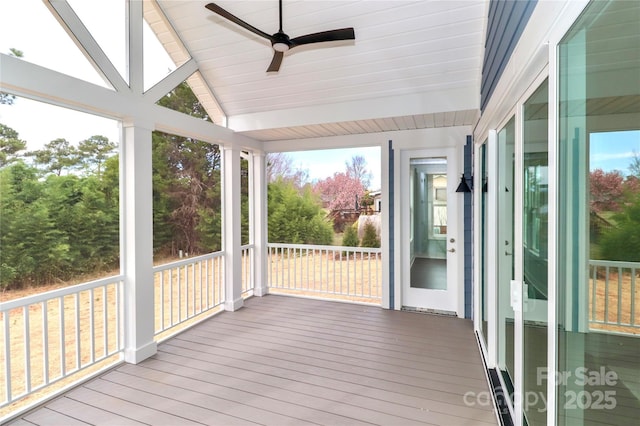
x=452, y=250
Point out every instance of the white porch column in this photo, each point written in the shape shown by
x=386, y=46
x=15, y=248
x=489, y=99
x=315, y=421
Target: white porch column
x=136, y=214
x=232, y=241
x=258, y=203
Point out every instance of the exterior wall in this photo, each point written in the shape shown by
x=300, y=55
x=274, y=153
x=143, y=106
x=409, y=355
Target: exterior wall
x=506, y=22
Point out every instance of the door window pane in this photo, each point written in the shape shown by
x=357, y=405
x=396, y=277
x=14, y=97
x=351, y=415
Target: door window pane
x=599, y=223
x=535, y=253
x=428, y=206
x=505, y=188
x=484, y=244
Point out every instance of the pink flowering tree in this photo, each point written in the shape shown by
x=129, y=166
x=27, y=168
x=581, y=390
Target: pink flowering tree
x=606, y=190
x=339, y=192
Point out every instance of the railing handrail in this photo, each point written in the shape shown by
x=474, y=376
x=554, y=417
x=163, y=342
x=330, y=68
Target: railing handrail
x=325, y=247
x=187, y=261
x=61, y=292
x=614, y=263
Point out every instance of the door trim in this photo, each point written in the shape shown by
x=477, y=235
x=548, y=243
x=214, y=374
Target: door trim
x=454, y=260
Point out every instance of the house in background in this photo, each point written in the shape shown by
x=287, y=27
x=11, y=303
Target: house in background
x=514, y=96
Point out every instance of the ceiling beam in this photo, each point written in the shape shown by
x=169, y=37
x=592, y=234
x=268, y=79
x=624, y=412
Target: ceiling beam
x=455, y=99
x=448, y=136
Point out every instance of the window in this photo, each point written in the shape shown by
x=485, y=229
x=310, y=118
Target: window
x=598, y=237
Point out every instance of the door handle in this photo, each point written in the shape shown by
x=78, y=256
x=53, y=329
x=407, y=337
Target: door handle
x=506, y=253
x=452, y=250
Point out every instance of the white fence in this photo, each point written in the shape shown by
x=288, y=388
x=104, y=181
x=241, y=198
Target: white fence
x=248, y=279
x=613, y=296
x=186, y=289
x=350, y=273
x=51, y=336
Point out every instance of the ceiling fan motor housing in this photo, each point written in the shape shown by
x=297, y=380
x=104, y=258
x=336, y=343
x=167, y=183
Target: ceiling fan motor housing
x=280, y=42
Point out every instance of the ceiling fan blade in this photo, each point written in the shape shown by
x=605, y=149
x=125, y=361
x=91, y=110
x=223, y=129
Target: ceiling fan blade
x=332, y=35
x=220, y=11
x=275, y=62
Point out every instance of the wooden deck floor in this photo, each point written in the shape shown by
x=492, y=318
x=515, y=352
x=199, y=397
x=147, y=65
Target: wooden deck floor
x=292, y=361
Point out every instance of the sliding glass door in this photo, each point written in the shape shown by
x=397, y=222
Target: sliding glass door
x=535, y=218
x=505, y=269
x=598, y=277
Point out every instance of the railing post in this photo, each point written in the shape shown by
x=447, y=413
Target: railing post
x=259, y=228
x=232, y=235
x=136, y=212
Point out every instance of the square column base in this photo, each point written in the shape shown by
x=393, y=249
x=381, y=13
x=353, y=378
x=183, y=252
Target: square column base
x=234, y=305
x=137, y=355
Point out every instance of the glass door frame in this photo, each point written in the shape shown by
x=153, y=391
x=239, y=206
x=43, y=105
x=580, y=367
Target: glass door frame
x=490, y=350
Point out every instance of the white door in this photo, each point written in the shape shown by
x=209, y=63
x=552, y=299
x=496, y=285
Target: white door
x=430, y=247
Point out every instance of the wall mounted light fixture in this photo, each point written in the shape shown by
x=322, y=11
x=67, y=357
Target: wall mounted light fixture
x=464, y=187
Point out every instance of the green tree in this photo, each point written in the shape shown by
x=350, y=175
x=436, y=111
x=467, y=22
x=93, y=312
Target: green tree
x=296, y=218
x=34, y=250
x=622, y=242
x=186, y=194
x=95, y=238
x=94, y=151
x=58, y=227
x=182, y=99
x=370, y=236
x=10, y=145
x=56, y=156
x=186, y=184
x=634, y=167
x=350, y=237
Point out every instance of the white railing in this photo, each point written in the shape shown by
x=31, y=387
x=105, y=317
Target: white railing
x=51, y=336
x=613, y=296
x=349, y=273
x=248, y=280
x=187, y=289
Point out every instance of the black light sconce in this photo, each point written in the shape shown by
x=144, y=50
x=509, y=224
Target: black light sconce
x=464, y=187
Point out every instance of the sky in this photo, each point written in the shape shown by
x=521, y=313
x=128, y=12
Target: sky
x=614, y=150
x=322, y=164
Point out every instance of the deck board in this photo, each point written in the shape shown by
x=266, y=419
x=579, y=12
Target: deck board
x=292, y=361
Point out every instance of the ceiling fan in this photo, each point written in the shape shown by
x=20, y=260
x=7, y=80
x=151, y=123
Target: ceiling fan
x=281, y=41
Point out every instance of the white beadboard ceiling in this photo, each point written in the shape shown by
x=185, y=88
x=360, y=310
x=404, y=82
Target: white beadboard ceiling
x=414, y=64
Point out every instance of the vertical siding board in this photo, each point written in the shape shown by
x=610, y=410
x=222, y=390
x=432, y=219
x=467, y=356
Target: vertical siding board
x=498, y=54
x=506, y=22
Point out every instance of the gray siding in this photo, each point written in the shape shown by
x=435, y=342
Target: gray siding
x=506, y=21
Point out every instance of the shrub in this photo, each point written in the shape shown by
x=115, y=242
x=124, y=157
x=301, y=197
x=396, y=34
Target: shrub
x=622, y=242
x=370, y=237
x=296, y=218
x=350, y=237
